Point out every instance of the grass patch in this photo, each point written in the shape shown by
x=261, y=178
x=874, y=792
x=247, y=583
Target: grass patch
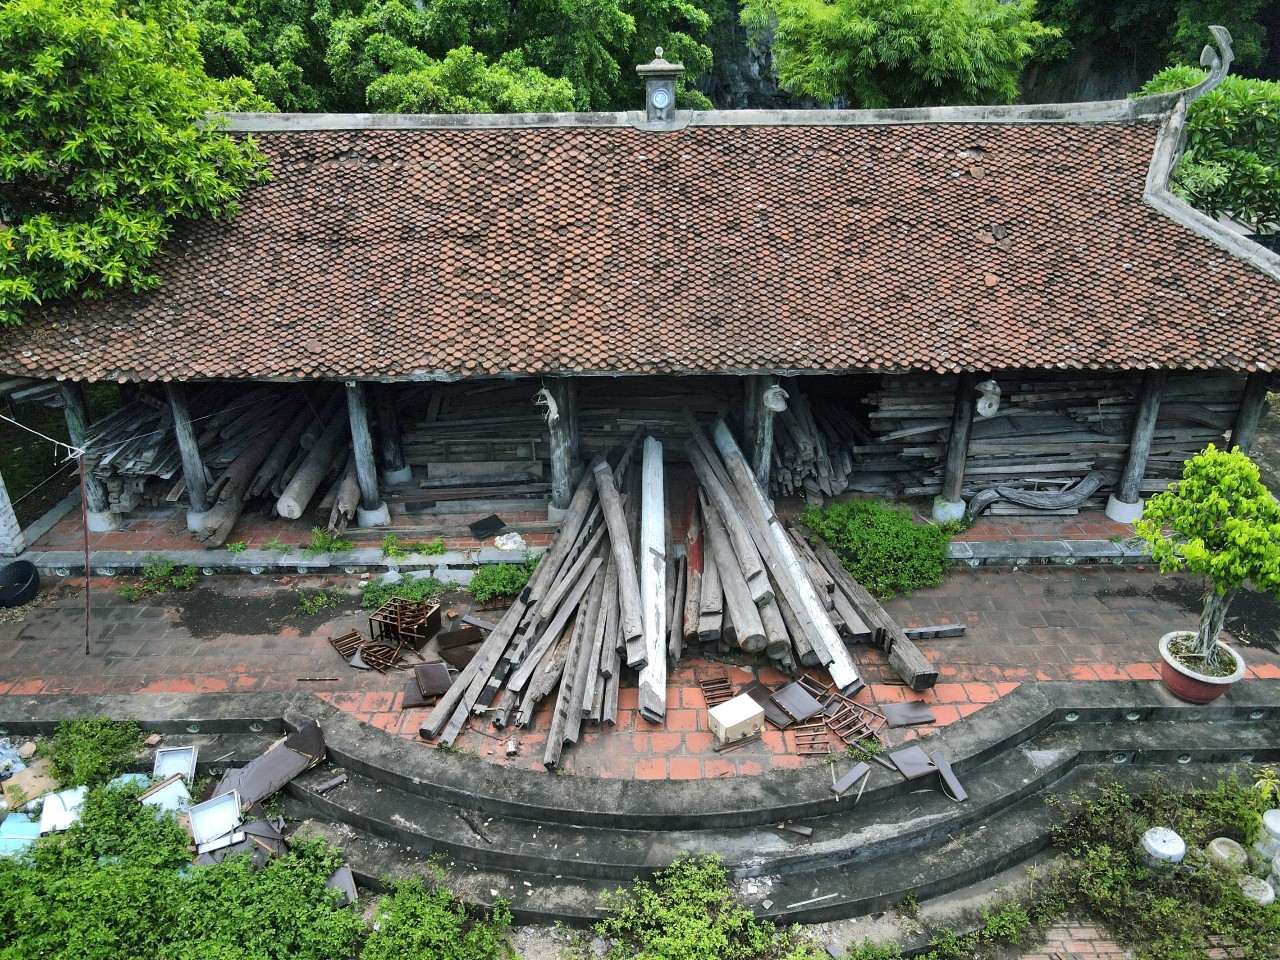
x=89, y=751
x=322, y=541
x=882, y=546
x=376, y=593
x=393, y=548
x=159, y=576
x=496, y=580
x=313, y=603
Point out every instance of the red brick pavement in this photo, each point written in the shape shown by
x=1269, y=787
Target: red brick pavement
x=1075, y=940
x=246, y=634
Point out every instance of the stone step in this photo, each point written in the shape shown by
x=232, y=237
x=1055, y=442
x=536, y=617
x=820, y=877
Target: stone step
x=904, y=816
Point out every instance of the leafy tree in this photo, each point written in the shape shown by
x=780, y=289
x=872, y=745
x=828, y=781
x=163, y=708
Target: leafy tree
x=592, y=45
x=1218, y=522
x=278, y=44
x=1232, y=160
x=104, y=141
x=899, y=53
x=1156, y=31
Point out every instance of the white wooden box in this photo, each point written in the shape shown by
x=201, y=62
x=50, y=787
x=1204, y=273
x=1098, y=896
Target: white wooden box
x=736, y=718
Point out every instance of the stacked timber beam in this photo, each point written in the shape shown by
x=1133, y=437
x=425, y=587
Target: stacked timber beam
x=474, y=442
x=588, y=610
x=609, y=595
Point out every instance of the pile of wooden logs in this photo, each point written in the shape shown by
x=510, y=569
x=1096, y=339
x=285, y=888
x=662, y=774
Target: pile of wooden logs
x=604, y=597
x=807, y=458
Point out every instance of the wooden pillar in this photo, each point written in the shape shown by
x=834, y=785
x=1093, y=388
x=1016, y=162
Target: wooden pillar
x=1125, y=505
x=562, y=424
x=770, y=399
x=192, y=466
x=372, y=512
x=950, y=506
x=1252, y=403
x=390, y=444
x=12, y=542
x=75, y=410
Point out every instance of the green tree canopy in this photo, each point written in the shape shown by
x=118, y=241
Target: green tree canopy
x=1232, y=161
x=465, y=82
x=104, y=141
x=899, y=53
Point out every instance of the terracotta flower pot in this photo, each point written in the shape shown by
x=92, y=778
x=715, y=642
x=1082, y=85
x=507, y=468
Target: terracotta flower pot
x=1185, y=683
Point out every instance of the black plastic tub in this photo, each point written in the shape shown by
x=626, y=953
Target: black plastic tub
x=19, y=583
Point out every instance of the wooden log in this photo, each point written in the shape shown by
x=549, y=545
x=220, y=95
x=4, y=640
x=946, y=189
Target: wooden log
x=75, y=410
x=653, y=583
x=390, y=444
x=765, y=408
x=744, y=549
x=806, y=605
x=1144, y=428
x=611, y=644
x=711, y=611
x=193, y=470
x=316, y=427
x=280, y=454
x=546, y=607
x=453, y=702
x=675, y=617
x=585, y=665
x=234, y=488
x=362, y=446
x=346, y=498
x=567, y=718
x=630, y=619
x=591, y=697
x=560, y=400
x=777, y=638
x=958, y=441
x=543, y=578
x=740, y=608
x=546, y=677
x=1252, y=404
x=904, y=656
x=693, y=586
x=293, y=501
x=548, y=634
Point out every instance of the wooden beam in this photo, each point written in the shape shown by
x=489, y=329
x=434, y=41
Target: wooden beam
x=738, y=604
x=1252, y=404
x=1144, y=428
x=192, y=466
x=395, y=469
x=562, y=424
x=75, y=410
x=631, y=619
x=653, y=583
x=362, y=446
x=763, y=410
x=958, y=442
x=12, y=542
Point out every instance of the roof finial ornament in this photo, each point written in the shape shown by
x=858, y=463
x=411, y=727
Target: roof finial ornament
x=1217, y=61
x=660, y=88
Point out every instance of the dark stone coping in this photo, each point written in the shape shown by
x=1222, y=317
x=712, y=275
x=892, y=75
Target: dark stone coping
x=641, y=804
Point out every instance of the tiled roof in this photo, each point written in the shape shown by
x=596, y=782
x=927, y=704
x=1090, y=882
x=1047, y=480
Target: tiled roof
x=467, y=252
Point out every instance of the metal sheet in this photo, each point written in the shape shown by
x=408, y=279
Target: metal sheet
x=907, y=714
x=215, y=818
x=343, y=881
x=913, y=763
x=17, y=832
x=433, y=678
x=61, y=809
x=762, y=695
x=287, y=758
x=798, y=702
x=179, y=760
x=171, y=795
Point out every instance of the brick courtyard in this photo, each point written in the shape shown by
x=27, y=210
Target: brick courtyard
x=248, y=634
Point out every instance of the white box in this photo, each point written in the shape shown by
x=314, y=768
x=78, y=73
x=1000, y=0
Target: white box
x=737, y=718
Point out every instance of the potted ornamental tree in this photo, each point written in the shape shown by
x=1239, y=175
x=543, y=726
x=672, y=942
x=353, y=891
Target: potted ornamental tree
x=1220, y=523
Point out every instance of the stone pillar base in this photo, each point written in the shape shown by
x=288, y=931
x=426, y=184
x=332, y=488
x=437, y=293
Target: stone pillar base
x=379, y=516
x=392, y=477
x=556, y=513
x=102, y=521
x=945, y=511
x=195, y=520
x=1122, y=512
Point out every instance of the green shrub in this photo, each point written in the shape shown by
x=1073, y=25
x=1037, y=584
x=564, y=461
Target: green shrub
x=427, y=921
x=322, y=541
x=315, y=602
x=238, y=546
x=91, y=750
x=500, y=580
x=376, y=593
x=120, y=884
x=687, y=912
x=881, y=545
